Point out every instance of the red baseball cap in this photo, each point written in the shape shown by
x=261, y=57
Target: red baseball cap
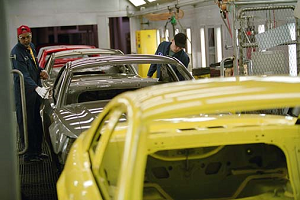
x=23, y=29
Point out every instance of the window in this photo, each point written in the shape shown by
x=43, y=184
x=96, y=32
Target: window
x=108, y=148
x=211, y=45
x=98, y=94
x=58, y=84
x=121, y=69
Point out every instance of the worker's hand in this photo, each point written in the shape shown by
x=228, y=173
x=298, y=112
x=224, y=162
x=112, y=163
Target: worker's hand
x=149, y=77
x=43, y=92
x=44, y=74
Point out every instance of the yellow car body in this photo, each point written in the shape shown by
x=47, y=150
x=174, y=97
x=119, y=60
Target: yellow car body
x=201, y=139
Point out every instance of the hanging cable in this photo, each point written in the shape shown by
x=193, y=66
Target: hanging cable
x=228, y=24
x=225, y=22
x=274, y=21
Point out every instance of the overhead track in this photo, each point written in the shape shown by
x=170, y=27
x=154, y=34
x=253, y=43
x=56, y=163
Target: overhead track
x=263, y=2
x=164, y=7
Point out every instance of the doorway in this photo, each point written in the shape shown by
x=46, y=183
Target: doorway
x=119, y=32
x=59, y=35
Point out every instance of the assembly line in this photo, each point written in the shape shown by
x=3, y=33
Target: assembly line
x=154, y=99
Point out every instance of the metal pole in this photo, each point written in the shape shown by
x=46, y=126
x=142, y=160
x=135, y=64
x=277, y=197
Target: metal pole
x=222, y=65
x=240, y=59
x=9, y=182
x=298, y=45
x=264, y=8
x=234, y=41
x=263, y=2
x=24, y=111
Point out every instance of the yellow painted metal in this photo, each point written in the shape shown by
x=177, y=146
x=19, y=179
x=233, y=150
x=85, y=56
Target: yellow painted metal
x=78, y=180
x=146, y=41
x=202, y=76
x=154, y=115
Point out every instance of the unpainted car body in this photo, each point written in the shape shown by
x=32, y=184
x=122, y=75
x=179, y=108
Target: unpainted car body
x=83, y=87
x=191, y=140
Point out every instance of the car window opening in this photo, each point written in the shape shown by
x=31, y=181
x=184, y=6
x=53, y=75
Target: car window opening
x=96, y=95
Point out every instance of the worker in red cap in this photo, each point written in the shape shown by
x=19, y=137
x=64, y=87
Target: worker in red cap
x=24, y=59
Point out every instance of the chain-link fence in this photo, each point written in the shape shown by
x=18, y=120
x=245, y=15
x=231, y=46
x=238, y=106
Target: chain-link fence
x=267, y=39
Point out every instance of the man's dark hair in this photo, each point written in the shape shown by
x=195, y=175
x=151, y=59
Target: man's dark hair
x=180, y=40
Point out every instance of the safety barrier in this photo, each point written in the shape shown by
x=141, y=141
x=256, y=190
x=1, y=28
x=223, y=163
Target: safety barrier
x=265, y=37
x=24, y=111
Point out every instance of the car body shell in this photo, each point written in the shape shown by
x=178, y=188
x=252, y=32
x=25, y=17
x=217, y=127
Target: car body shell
x=59, y=59
x=46, y=51
x=77, y=99
x=255, y=152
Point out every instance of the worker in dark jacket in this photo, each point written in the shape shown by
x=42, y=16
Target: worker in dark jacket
x=173, y=49
x=24, y=59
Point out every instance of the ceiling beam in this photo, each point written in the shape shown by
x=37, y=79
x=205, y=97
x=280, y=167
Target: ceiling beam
x=164, y=7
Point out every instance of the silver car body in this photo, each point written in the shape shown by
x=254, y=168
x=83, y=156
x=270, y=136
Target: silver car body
x=75, y=54
x=83, y=87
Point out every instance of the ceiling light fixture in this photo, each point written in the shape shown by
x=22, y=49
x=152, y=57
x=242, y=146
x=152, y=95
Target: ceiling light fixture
x=137, y=2
x=151, y=0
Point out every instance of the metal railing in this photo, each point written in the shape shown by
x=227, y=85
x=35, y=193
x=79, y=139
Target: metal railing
x=222, y=65
x=254, y=24
x=270, y=57
x=24, y=111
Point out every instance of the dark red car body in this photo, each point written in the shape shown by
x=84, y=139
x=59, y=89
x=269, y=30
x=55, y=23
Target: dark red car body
x=45, y=52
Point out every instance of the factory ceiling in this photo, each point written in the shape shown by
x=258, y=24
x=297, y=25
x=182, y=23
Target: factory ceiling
x=151, y=3
x=156, y=6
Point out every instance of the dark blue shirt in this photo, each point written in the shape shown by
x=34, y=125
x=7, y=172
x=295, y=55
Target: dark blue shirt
x=23, y=61
x=163, y=49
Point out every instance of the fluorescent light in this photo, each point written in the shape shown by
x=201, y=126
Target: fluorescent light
x=167, y=35
x=157, y=37
x=219, y=44
x=189, y=45
x=137, y=2
x=203, y=54
x=151, y=0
